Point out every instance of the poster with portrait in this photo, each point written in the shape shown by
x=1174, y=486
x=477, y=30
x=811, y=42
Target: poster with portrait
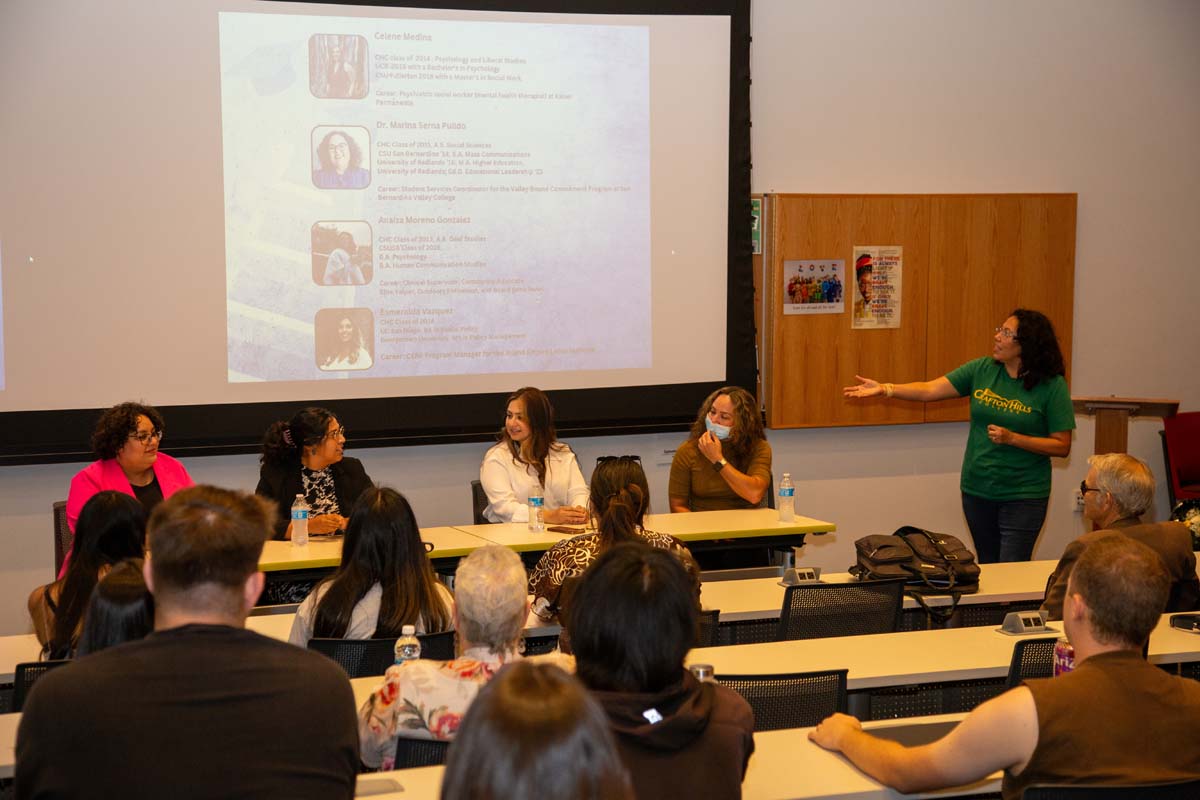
x=877, y=286
x=814, y=286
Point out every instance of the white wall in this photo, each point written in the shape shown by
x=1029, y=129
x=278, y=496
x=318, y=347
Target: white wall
x=1099, y=97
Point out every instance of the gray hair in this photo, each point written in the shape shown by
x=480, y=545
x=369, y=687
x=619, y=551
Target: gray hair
x=489, y=592
x=1127, y=479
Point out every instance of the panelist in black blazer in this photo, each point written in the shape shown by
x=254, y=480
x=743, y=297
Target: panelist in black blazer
x=304, y=456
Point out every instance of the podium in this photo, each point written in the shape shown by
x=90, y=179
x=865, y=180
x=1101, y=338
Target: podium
x=1112, y=417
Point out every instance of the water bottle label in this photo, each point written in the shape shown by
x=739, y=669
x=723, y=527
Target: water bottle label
x=299, y=513
x=787, y=491
x=537, y=501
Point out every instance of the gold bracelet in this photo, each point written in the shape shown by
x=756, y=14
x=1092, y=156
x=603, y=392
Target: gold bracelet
x=888, y=389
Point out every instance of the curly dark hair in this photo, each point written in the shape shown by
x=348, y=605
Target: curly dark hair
x=284, y=441
x=323, y=151
x=1041, y=357
x=747, y=427
x=117, y=424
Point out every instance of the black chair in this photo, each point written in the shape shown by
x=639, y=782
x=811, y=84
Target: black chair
x=1179, y=790
x=361, y=658
x=27, y=674
x=479, y=501
x=420, y=753
x=819, y=610
x=797, y=700
x=1031, y=658
x=437, y=646
x=540, y=645
x=708, y=628
x=62, y=534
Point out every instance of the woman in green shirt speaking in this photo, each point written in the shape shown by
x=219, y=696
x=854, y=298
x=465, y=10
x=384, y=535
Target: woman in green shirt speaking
x=1020, y=416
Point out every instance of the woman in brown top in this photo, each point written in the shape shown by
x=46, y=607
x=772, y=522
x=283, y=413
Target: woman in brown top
x=619, y=498
x=726, y=461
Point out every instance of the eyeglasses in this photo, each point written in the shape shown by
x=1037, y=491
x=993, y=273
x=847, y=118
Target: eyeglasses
x=1084, y=488
x=337, y=148
x=336, y=432
x=1005, y=333
x=602, y=459
x=145, y=436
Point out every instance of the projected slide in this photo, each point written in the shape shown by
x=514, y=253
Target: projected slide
x=424, y=197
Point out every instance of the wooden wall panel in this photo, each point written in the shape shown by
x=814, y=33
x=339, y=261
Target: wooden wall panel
x=990, y=254
x=814, y=356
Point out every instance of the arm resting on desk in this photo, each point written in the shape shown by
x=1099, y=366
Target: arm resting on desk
x=1000, y=734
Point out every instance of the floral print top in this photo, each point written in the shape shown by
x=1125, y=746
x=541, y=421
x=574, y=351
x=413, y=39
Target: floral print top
x=422, y=699
x=319, y=491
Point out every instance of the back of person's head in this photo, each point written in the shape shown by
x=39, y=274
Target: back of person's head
x=1127, y=479
x=203, y=544
x=533, y=731
x=489, y=595
x=382, y=545
x=1125, y=587
x=111, y=527
x=619, y=497
x=632, y=619
x=285, y=441
x=121, y=609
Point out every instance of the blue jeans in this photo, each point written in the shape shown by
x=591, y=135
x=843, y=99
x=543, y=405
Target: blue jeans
x=1004, y=530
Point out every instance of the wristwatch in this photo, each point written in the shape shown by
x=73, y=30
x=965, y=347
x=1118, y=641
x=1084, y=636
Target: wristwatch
x=719, y=465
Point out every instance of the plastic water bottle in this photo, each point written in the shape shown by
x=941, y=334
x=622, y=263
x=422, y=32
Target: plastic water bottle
x=408, y=646
x=537, y=513
x=300, y=521
x=787, y=499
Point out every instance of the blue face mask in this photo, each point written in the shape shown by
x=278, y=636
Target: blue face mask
x=719, y=431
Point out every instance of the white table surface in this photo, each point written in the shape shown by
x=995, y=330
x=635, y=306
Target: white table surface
x=785, y=766
x=448, y=542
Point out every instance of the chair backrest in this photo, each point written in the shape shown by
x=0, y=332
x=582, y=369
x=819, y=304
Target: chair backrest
x=797, y=700
x=26, y=674
x=710, y=622
x=539, y=645
x=62, y=534
x=479, y=502
x=420, y=752
x=1181, y=444
x=819, y=610
x=361, y=658
x=1184, y=790
x=1031, y=658
x=437, y=646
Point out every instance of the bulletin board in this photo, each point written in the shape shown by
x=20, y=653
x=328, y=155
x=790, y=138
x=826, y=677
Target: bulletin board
x=968, y=261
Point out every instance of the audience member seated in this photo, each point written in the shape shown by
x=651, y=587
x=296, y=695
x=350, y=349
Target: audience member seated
x=1118, y=489
x=201, y=707
x=121, y=609
x=619, y=500
x=726, y=461
x=111, y=527
x=126, y=441
x=632, y=619
x=534, y=732
x=385, y=580
x=1116, y=719
x=529, y=459
x=304, y=456
x=426, y=699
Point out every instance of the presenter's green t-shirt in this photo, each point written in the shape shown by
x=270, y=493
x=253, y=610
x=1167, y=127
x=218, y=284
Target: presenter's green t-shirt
x=1001, y=471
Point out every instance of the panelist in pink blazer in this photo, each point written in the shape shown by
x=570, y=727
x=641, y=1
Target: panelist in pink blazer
x=126, y=441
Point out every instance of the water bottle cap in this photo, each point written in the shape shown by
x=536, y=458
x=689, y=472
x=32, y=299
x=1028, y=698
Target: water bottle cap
x=408, y=630
x=787, y=475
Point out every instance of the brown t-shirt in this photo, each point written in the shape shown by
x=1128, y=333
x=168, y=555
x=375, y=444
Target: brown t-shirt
x=1115, y=720
x=694, y=479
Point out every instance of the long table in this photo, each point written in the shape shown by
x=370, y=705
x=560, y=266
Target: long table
x=279, y=556
x=785, y=766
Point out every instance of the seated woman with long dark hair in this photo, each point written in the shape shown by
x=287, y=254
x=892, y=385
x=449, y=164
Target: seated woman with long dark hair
x=619, y=498
x=111, y=528
x=121, y=609
x=385, y=580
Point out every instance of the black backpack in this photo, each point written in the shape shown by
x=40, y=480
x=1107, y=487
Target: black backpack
x=930, y=563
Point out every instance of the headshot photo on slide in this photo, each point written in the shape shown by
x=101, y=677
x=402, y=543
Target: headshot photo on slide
x=345, y=339
x=341, y=157
x=337, y=66
x=342, y=253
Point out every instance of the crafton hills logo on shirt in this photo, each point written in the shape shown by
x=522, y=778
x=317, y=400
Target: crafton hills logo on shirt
x=990, y=398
